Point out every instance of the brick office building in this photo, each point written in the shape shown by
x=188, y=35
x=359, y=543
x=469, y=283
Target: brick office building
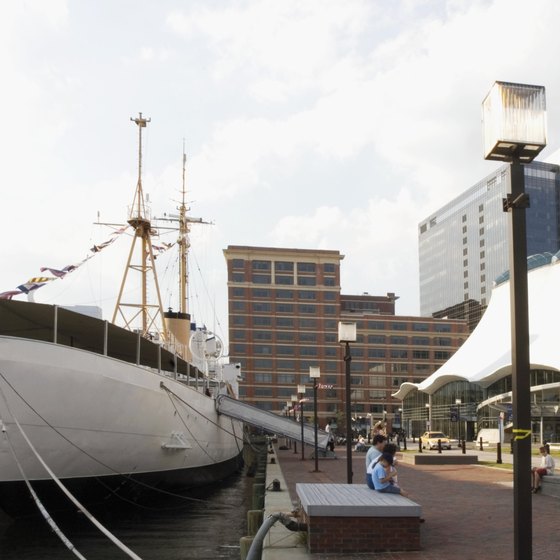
x=284, y=309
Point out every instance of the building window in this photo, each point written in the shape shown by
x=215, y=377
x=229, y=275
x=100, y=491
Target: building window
x=442, y=327
x=464, y=229
x=420, y=341
x=239, y=306
x=307, y=281
x=263, y=392
x=398, y=326
x=376, y=352
x=238, y=263
x=284, y=266
x=238, y=277
x=284, y=280
x=261, y=265
x=307, y=294
x=263, y=363
x=482, y=266
x=441, y=355
x=263, y=377
x=464, y=218
x=465, y=285
x=442, y=341
x=285, y=336
x=307, y=309
x=376, y=367
x=308, y=323
x=308, y=337
x=399, y=340
x=464, y=240
x=238, y=292
x=399, y=354
x=481, y=219
x=482, y=254
x=238, y=335
x=286, y=378
x=262, y=321
x=262, y=306
x=286, y=364
x=239, y=320
x=329, y=281
x=466, y=262
x=420, y=354
x=284, y=322
x=262, y=349
x=262, y=335
x=305, y=267
x=481, y=231
x=284, y=308
x=308, y=351
x=329, y=267
x=423, y=327
x=261, y=279
x=376, y=339
x=376, y=325
x=285, y=350
x=284, y=294
x=261, y=293
x=465, y=252
x=481, y=243
x=329, y=310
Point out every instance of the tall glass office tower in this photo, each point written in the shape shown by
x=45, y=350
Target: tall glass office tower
x=463, y=246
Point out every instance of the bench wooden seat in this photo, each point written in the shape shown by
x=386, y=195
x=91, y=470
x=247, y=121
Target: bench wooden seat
x=344, y=518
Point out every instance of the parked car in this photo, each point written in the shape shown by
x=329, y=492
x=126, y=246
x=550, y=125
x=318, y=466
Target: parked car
x=430, y=440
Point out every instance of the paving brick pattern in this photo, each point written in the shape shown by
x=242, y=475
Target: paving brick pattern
x=468, y=509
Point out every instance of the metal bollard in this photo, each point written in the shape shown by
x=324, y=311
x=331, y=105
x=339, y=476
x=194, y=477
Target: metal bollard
x=419, y=445
x=404, y=441
x=463, y=447
x=439, y=445
x=481, y=449
x=499, y=453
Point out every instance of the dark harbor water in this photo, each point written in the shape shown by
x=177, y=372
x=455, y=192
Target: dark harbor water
x=207, y=527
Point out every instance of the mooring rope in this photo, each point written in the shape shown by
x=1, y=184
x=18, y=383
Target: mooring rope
x=40, y=505
x=71, y=497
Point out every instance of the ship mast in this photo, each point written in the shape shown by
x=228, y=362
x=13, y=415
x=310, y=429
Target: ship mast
x=184, y=243
x=151, y=315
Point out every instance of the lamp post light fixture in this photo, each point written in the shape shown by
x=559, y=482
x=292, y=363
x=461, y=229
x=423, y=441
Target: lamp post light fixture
x=301, y=391
x=514, y=122
x=429, y=415
x=347, y=334
x=315, y=373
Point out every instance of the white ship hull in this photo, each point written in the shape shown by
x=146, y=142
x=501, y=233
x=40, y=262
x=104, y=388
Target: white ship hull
x=91, y=416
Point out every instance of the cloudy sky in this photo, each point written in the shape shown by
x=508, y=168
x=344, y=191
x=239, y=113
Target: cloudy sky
x=331, y=124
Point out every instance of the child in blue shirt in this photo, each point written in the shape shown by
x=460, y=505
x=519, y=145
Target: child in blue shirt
x=383, y=476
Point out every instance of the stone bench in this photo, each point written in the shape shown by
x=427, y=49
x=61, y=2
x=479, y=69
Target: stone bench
x=550, y=485
x=346, y=518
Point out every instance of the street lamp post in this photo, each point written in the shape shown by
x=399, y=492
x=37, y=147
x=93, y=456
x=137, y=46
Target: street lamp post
x=315, y=373
x=514, y=119
x=458, y=403
x=294, y=399
x=301, y=391
x=347, y=334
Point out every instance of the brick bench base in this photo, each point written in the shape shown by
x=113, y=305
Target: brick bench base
x=550, y=485
x=346, y=518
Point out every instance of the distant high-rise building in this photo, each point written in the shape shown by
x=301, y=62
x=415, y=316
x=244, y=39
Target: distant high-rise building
x=284, y=309
x=463, y=246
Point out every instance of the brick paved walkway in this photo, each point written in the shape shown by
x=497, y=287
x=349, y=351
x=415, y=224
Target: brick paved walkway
x=468, y=509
